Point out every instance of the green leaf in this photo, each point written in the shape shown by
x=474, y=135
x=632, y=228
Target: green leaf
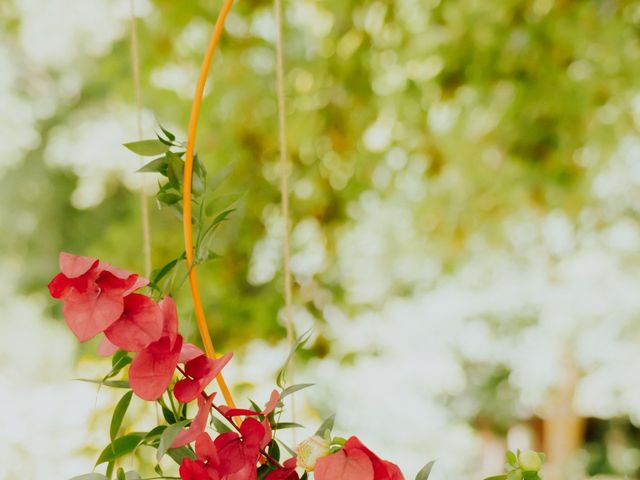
x=425, y=471
x=169, y=197
x=121, y=362
x=497, y=477
x=175, y=170
x=326, y=426
x=289, y=450
x=167, y=438
x=168, y=415
x=119, y=447
x=283, y=425
x=179, y=454
x=158, y=165
x=159, y=274
x=118, y=414
x=512, y=459
x=107, y=383
x=132, y=475
x=300, y=342
x=219, y=425
x=167, y=133
x=120, y=474
x=90, y=476
x=220, y=202
x=147, y=148
x=274, y=450
x=294, y=388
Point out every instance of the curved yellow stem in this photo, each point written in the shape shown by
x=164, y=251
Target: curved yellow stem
x=186, y=194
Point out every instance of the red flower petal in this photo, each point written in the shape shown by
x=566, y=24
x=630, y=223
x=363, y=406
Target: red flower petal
x=271, y=404
x=202, y=369
x=194, y=470
x=353, y=465
x=58, y=285
x=252, y=432
x=268, y=432
x=90, y=313
x=106, y=348
x=187, y=390
x=198, y=424
x=169, y=318
x=206, y=449
x=139, y=325
x=73, y=266
x=237, y=461
x=286, y=473
x=152, y=369
x=137, y=284
x=269, y=407
x=382, y=469
x=189, y=352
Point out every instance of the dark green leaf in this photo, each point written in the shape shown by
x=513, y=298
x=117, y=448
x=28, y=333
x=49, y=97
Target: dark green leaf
x=159, y=274
x=120, y=474
x=168, y=415
x=118, y=414
x=158, y=165
x=425, y=471
x=168, y=198
x=167, y=438
x=119, y=447
x=147, y=148
x=274, y=450
x=167, y=133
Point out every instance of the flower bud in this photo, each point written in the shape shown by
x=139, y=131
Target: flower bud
x=530, y=461
x=311, y=450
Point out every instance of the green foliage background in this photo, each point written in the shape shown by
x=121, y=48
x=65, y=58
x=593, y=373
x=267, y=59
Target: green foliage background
x=508, y=105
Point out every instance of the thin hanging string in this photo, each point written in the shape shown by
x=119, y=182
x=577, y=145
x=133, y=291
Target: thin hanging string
x=144, y=206
x=284, y=193
x=186, y=194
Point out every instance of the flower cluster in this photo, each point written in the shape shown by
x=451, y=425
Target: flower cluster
x=140, y=331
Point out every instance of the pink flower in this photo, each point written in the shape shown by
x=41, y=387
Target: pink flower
x=152, y=369
x=287, y=472
x=231, y=456
x=200, y=371
x=198, y=424
x=140, y=324
x=355, y=462
x=93, y=293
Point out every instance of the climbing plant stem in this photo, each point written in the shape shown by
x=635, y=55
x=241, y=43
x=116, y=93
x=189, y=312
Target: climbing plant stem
x=186, y=194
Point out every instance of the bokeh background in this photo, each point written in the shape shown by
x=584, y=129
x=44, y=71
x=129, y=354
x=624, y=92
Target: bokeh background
x=466, y=218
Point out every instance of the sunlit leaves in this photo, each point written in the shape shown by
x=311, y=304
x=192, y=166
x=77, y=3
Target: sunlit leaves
x=425, y=471
x=118, y=414
x=147, y=148
x=119, y=447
